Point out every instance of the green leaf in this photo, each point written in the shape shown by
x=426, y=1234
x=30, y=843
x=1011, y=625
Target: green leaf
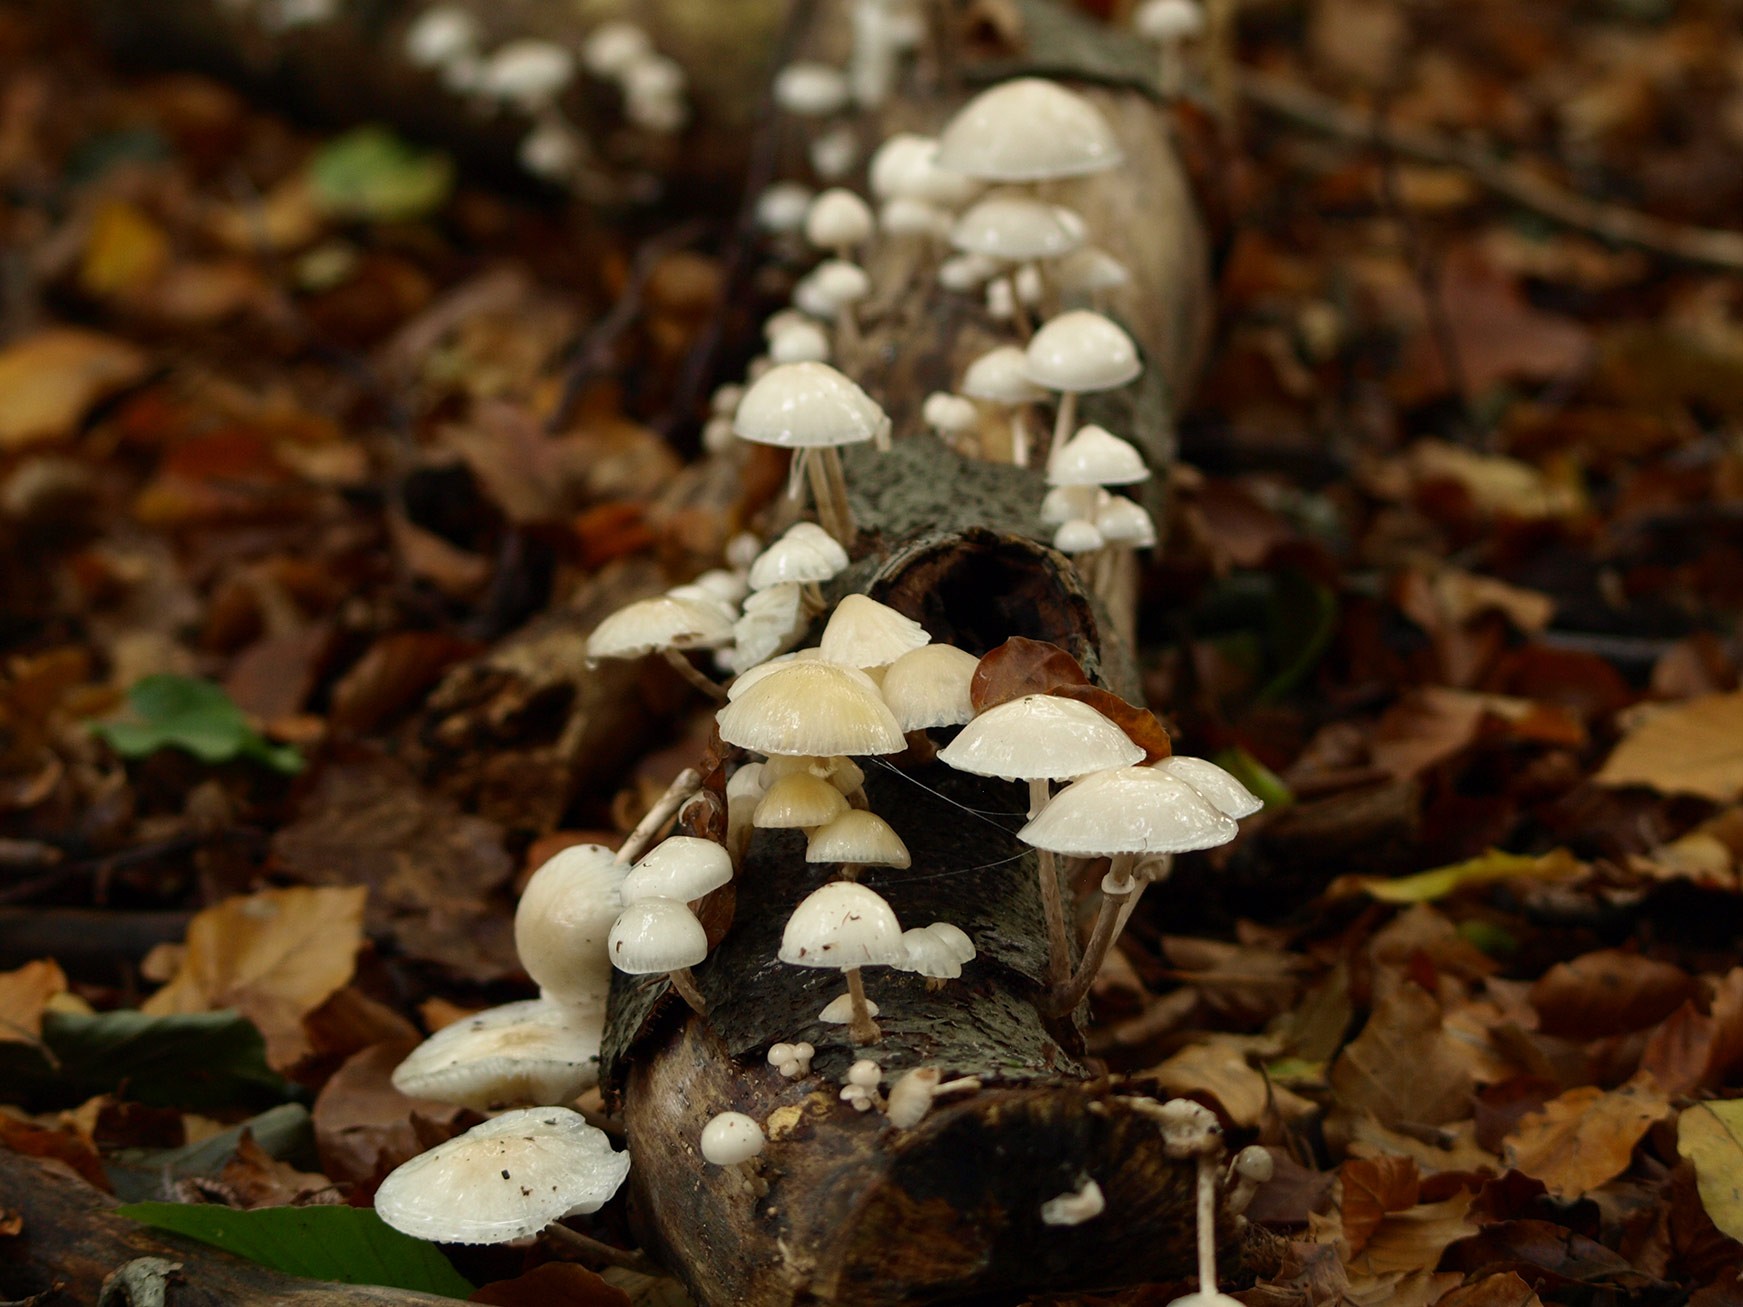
x=184, y=712
x=199, y=1061
x=372, y=174
x=1428, y=886
x=286, y=1132
x=351, y=1245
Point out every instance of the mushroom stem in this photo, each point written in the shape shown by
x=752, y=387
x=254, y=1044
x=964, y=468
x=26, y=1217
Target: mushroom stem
x=1207, y=1225
x=1062, y=424
x=814, y=599
x=677, y=794
x=821, y=491
x=598, y=1251
x=862, y=1030
x=1117, y=889
x=1052, y=902
x=685, y=984
x=752, y=1179
x=685, y=668
x=1020, y=436
x=838, y=492
x=846, y=332
x=850, y=871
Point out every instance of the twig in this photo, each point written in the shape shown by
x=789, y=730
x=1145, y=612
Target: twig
x=1611, y=222
x=683, y=785
x=597, y=1250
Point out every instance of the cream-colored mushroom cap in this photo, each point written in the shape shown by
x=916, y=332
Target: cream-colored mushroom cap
x=730, y=1138
x=660, y=623
x=1001, y=375
x=1122, y=521
x=1028, y=130
x=797, y=405
x=1077, y=538
x=1089, y=269
x=951, y=414
x=1064, y=504
x=803, y=342
x=838, y=217
x=842, y=925
x=1168, y=20
x=1081, y=351
x=505, y=1179
x=611, y=48
x=1128, y=810
x=805, y=553
x=655, y=935
x=906, y=167
x=812, y=707
x=861, y=632
x=1040, y=736
x=857, y=836
x=840, y=282
x=955, y=938
x=929, y=955
x=748, y=679
x=528, y=72
x=783, y=206
x=440, y=35
x=1095, y=456
x=1012, y=227
x=1220, y=789
x=906, y=217
x=680, y=867
x=811, y=90
x=964, y=272
x=535, y=1051
x=929, y=687
x=772, y=620
x=841, y=772
x=564, y=916
x=798, y=801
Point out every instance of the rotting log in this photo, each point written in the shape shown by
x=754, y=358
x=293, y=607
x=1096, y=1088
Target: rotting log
x=70, y=1243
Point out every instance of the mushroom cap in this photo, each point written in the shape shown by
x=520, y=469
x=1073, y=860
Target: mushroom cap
x=860, y=837
x=838, y=217
x=440, y=35
x=1028, y=130
x=657, y=935
x=535, y=1051
x=1220, y=789
x=840, y=282
x=861, y=632
x=752, y=675
x=1063, y=504
x=1077, y=537
x=961, y=946
x=528, y=72
x=798, y=405
x=805, y=553
x=772, y=619
x=841, y=772
x=842, y=925
x=1128, y=810
x=905, y=167
x=964, y=272
x=798, y=801
x=865, y=1073
x=838, y=1011
x=903, y=216
x=1002, y=376
x=949, y=413
x=1095, y=456
x=505, y=1179
x=811, y=707
x=611, y=48
x=681, y=867
x=730, y=1138
x=929, y=686
x=929, y=954
x=1012, y=227
x=653, y=77
x=1081, y=351
x=660, y=623
x=1040, y=736
x=782, y=206
x=1168, y=20
x=811, y=90
x=1123, y=521
x=563, y=918
x=1088, y=269
x=803, y=342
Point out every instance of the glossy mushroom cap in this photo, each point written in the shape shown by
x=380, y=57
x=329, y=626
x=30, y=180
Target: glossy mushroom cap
x=805, y=552
x=929, y=686
x=1081, y=351
x=773, y=618
x=657, y=935
x=1014, y=228
x=811, y=707
x=1001, y=376
x=1040, y=736
x=803, y=342
x=1064, y=504
x=860, y=837
x=1087, y=270
x=663, y=622
x=1096, y=457
x=504, y=1180
x=798, y=405
x=1077, y=537
x=798, y=801
x=905, y=167
x=838, y=218
x=929, y=954
x=730, y=1138
x=842, y=925
x=1028, y=130
x=681, y=867
x=562, y=921
x=535, y=1051
x=1128, y=810
x=1122, y=521
x=861, y=632
x=1220, y=789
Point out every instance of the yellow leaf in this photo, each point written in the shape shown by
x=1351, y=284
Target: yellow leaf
x=1710, y=1135
x=24, y=995
x=49, y=381
x=274, y=956
x=1586, y=1137
x=1427, y=886
x=1694, y=747
x=125, y=252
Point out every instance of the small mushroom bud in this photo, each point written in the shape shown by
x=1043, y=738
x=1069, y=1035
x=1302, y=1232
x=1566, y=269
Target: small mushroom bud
x=860, y=1085
x=734, y=1139
x=792, y=1060
x=1252, y=1167
x=1075, y=1206
x=911, y=1097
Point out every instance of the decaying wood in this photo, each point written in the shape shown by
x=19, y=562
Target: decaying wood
x=70, y=1243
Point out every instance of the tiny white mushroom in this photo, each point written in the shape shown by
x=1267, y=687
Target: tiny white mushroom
x=655, y=936
x=1075, y=1206
x=792, y=1060
x=732, y=1139
x=860, y=1085
x=528, y=73
x=440, y=35
x=845, y=926
x=611, y=48
x=782, y=207
x=811, y=90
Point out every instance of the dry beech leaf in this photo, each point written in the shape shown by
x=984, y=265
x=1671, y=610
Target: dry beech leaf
x=1022, y=666
x=1710, y=1135
x=1691, y=1047
x=1414, y=1239
x=364, y=1127
x=555, y=1284
x=1418, y=1288
x=1608, y=992
x=25, y=995
x=49, y=381
x=1586, y=1137
x=1220, y=1069
x=1373, y=1187
x=1694, y=747
x=1504, y=1290
x=1401, y=1068
x=1139, y=724
x=1455, y=1148
x=274, y=956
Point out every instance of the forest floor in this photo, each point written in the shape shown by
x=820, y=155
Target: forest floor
x=294, y=424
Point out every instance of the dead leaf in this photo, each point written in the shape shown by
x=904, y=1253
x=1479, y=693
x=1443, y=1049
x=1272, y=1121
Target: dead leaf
x=1219, y=1068
x=68, y=1146
x=1413, y=1240
x=1505, y=1290
x=48, y=382
x=1439, y=882
x=1693, y=747
x=1140, y=724
x=24, y=997
x=555, y=1284
x=1400, y=1068
x=1586, y=1137
x=1022, y=666
x=274, y=956
x=1370, y=1188
x=1497, y=486
x=126, y=251
x=1710, y=1135
x=1608, y=992
x=364, y=1126
x=1692, y=1048
x=258, y=1179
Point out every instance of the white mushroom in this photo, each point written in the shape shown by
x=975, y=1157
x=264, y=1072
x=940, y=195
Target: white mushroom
x=1076, y=353
x=539, y=1051
x=660, y=936
x=1075, y=1206
x=732, y=1139
x=845, y=926
x=563, y=920
x=792, y=1060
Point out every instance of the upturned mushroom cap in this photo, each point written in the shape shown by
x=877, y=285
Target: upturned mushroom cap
x=1095, y=456
x=905, y=167
x=838, y=217
x=1220, y=789
x=861, y=632
x=660, y=623
x=842, y=925
x=1001, y=376
x=1028, y=130
x=1014, y=228
x=798, y=801
x=772, y=620
x=799, y=405
x=563, y=919
x=929, y=687
x=1128, y=810
x=1122, y=521
x=535, y=1051
x=505, y=1179
x=929, y=954
x=730, y=1138
x=1040, y=736
x=805, y=553
x=680, y=867
x=1081, y=351
x=655, y=935
x=812, y=707
x=857, y=836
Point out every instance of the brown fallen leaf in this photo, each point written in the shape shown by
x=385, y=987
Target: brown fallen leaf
x=1710, y=1135
x=24, y=997
x=1022, y=666
x=274, y=956
x=1585, y=1137
x=1401, y=1067
x=1693, y=747
x=257, y=1179
x=49, y=381
x=1504, y=1290
x=1413, y=1239
x=1693, y=1048
x=1608, y=992
x=364, y=1126
x=555, y=1284
x=1218, y=1067
x=68, y=1146
x=1369, y=1189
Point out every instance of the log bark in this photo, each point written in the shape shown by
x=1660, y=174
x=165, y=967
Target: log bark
x=70, y=1243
